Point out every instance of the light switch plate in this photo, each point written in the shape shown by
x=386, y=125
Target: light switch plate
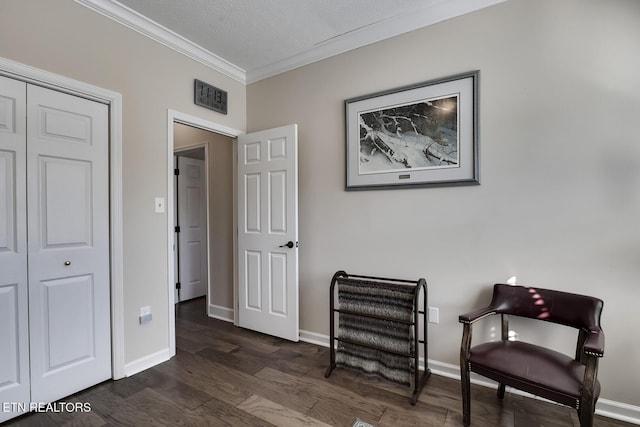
x=145, y=315
x=159, y=206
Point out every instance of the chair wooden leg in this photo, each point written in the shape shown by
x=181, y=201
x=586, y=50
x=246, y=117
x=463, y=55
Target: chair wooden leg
x=585, y=413
x=465, y=374
x=586, y=417
x=466, y=397
x=588, y=401
x=501, y=388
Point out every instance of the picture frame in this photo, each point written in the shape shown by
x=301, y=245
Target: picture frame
x=420, y=135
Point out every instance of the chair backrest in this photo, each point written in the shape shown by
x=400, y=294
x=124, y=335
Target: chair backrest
x=578, y=311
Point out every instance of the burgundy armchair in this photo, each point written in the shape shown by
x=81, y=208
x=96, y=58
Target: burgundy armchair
x=544, y=372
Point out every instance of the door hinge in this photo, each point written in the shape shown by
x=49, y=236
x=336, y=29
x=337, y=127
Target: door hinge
x=176, y=172
x=178, y=286
x=177, y=228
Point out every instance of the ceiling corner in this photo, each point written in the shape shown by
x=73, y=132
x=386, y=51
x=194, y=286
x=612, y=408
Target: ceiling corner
x=139, y=23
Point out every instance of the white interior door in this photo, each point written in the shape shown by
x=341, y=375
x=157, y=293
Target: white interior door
x=68, y=243
x=14, y=309
x=192, y=220
x=268, y=232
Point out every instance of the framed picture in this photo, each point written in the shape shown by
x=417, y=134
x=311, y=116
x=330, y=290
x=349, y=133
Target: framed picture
x=420, y=135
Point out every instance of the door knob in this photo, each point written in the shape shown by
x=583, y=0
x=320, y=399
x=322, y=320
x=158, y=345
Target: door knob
x=289, y=245
x=67, y=263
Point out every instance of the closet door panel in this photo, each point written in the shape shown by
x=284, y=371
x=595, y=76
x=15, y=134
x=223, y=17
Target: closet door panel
x=65, y=183
x=73, y=336
x=68, y=219
x=14, y=328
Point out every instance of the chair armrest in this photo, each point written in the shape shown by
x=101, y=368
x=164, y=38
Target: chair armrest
x=478, y=314
x=594, y=344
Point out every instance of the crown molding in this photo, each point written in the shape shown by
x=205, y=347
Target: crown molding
x=436, y=11
x=143, y=25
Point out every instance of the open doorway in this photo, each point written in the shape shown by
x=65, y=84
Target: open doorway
x=280, y=146
x=204, y=212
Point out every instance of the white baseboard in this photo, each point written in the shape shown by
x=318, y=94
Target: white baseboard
x=147, y=362
x=220, y=313
x=604, y=407
x=619, y=411
x=314, y=338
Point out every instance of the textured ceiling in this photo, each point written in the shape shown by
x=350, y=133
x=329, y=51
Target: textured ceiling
x=258, y=34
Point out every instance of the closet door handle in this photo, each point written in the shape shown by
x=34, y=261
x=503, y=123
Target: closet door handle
x=67, y=263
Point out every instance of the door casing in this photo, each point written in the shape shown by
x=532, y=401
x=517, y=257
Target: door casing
x=189, y=120
x=113, y=100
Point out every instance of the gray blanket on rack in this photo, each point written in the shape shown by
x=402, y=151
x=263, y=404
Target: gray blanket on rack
x=389, y=302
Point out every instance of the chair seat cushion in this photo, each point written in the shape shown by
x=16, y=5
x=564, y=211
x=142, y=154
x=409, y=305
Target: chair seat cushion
x=531, y=368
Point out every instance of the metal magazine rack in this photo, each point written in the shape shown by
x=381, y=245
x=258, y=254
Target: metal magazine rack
x=379, y=331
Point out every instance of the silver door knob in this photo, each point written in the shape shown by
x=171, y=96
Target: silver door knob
x=67, y=263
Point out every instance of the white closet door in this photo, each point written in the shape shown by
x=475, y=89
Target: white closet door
x=14, y=328
x=68, y=241
x=192, y=216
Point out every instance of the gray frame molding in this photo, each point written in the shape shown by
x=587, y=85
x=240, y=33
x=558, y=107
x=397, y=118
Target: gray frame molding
x=399, y=95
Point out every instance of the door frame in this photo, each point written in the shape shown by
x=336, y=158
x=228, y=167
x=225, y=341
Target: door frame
x=113, y=100
x=174, y=116
x=205, y=147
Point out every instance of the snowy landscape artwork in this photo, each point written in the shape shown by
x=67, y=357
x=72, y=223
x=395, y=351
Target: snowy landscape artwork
x=414, y=136
x=424, y=134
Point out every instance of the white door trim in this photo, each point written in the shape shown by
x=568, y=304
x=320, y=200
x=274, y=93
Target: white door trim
x=49, y=80
x=186, y=119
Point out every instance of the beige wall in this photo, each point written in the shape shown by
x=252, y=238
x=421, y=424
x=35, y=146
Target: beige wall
x=560, y=160
x=220, y=161
x=559, y=199
x=63, y=37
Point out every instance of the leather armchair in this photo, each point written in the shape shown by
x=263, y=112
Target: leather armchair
x=541, y=371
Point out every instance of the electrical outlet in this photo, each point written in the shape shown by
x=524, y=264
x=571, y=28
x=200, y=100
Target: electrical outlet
x=145, y=314
x=434, y=315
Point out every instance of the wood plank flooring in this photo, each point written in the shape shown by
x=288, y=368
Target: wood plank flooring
x=227, y=376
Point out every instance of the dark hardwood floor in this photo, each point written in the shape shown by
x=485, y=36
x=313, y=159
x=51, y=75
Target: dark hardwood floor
x=227, y=376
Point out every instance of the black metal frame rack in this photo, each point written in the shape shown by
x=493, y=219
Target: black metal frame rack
x=420, y=284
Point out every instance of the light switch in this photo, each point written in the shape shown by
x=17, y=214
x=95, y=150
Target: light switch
x=145, y=314
x=159, y=205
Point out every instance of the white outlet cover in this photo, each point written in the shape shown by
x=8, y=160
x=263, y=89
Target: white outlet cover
x=434, y=315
